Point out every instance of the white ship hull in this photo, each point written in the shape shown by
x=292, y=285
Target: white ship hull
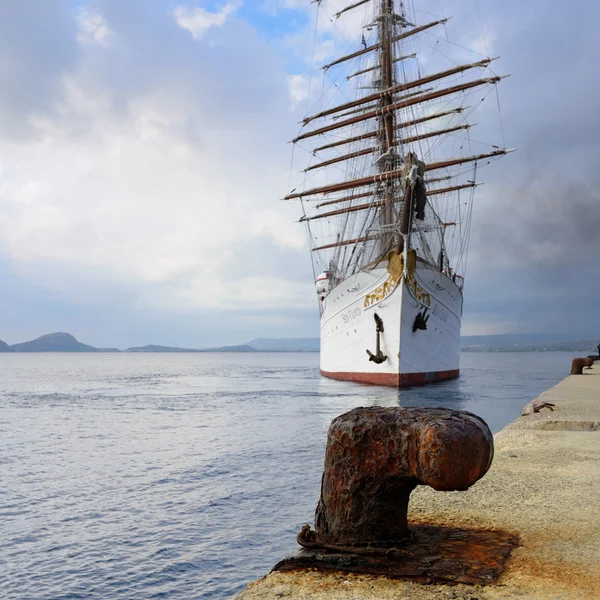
x=348, y=327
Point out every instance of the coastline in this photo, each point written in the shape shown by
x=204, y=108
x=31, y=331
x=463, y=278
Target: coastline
x=544, y=485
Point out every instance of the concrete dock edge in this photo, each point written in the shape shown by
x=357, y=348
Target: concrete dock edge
x=544, y=485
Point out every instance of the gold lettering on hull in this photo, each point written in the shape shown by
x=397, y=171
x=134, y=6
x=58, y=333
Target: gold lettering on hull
x=395, y=269
x=381, y=292
x=418, y=292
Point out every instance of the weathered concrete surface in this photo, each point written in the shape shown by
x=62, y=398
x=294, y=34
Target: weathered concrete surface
x=544, y=485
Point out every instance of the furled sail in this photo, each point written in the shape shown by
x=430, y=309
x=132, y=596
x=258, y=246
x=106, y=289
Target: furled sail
x=396, y=38
x=400, y=87
x=403, y=103
x=393, y=175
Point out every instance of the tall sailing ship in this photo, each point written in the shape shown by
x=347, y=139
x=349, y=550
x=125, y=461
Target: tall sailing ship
x=387, y=196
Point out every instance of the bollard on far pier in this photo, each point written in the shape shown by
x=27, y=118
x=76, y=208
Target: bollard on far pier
x=579, y=364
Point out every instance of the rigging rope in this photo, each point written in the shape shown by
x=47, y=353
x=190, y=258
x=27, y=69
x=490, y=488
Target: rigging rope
x=429, y=235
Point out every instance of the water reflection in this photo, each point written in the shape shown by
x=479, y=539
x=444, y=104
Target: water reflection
x=494, y=386
x=337, y=397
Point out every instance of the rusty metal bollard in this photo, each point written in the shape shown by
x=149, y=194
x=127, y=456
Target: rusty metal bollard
x=376, y=456
x=578, y=364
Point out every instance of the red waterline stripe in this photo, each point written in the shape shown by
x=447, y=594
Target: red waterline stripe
x=394, y=379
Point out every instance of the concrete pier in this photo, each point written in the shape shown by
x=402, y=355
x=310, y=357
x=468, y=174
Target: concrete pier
x=544, y=486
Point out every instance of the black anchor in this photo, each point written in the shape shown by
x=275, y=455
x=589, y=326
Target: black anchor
x=421, y=320
x=379, y=356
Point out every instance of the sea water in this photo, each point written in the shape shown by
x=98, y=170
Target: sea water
x=187, y=475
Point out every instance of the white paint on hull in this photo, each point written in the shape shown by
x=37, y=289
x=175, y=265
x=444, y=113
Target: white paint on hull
x=348, y=328
x=436, y=348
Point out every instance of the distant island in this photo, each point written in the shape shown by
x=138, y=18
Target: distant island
x=155, y=348
x=53, y=342
x=65, y=342
x=286, y=344
x=529, y=343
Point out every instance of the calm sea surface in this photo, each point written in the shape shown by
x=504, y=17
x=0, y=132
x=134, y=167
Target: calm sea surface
x=186, y=475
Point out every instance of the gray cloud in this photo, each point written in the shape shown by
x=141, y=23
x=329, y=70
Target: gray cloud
x=102, y=312
x=37, y=46
x=229, y=72
x=536, y=225
x=544, y=222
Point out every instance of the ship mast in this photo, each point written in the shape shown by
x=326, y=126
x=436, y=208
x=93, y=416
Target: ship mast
x=384, y=142
x=387, y=120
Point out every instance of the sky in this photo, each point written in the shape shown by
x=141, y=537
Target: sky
x=143, y=156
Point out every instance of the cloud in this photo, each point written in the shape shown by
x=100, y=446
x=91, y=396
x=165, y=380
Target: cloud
x=37, y=46
x=198, y=20
x=554, y=223
x=93, y=29
x=158, y=166
x=140, y=171
x=535, y=254
x=299, y=88
x=106, y=312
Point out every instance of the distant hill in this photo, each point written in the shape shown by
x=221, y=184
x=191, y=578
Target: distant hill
x=528, y=343
x=286, y=344
x=4, y=347
x=156, y=348
x=240, y=348
x=514, y=339
x=53, y=342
